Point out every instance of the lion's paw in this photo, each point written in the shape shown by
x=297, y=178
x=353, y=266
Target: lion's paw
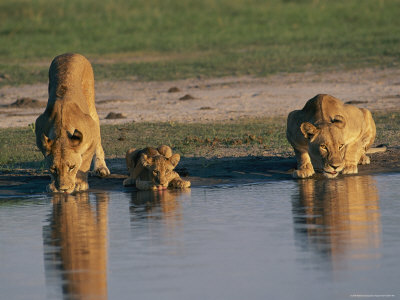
x=180, y=184
x=350, y=169
x=303, y=173
x=186, y=184
x=364, y=160
x=51, y=188
x=81, y=186
x=101, y=171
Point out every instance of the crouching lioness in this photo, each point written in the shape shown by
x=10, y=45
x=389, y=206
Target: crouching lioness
x=68, y=132
x=330, y=136
x=153, y=169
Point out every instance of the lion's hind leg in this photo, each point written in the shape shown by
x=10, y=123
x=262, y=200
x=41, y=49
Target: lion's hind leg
x=368, y=137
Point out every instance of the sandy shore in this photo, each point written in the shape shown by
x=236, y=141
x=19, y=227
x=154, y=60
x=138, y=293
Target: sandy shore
x=216, y=99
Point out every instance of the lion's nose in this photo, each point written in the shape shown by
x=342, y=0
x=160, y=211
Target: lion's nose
x=334, y=166
x=63, y=188
x=162, y=181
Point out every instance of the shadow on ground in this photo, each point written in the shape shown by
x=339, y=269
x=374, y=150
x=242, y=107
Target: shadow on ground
x=200, y=171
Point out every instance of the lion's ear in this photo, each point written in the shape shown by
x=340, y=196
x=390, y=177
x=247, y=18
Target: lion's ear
x=308, y=130
x=146, y=160
x=339, y=121
x=175, y=159
x=46, y=142
x=75, y=138
x=165, y=151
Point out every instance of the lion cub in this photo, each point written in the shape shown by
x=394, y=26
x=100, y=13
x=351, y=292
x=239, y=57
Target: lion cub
x=153, y=169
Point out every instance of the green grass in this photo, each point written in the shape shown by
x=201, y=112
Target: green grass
x=187, y=38
x=198, y=139
x=252, y=136
x=387, y=128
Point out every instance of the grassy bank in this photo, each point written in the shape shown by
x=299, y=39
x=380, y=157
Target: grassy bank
x=234, y=138
x=159, y=40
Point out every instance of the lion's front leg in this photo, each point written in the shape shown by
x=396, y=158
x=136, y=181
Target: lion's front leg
x=81, y=182
x=145, y=185
x=364, y=160
x=354, y=154
x=100, y=168
x=366, y=141
x=134, y=172
x=350, y=169
x=51, y=188
x=304, y=166
x=179, y=183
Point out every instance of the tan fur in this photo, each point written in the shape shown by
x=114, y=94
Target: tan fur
x=68, y=132
x=330, y=136
x=153, y=169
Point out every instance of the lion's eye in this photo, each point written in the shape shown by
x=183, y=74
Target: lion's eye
x=323, y=147
x=341, y=146
x=71, y=167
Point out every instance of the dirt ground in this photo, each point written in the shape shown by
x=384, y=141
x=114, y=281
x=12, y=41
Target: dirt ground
x=207, y=100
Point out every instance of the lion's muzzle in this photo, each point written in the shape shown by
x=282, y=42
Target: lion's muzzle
x=332, y=170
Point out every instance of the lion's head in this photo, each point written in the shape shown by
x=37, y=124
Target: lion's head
x=326, y=145
x=63, y=159
x=160, y=168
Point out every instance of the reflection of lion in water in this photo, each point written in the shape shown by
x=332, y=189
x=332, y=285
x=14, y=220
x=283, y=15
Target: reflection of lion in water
x=75, y=243
x=68, y=132
x=152, y=169
x=339, y=218
x=330, y=136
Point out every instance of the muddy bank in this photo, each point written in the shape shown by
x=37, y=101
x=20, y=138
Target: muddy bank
x=200, y=171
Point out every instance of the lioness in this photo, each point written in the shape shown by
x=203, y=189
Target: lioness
x=330, y=136
x=68, y=132
x=153, y=169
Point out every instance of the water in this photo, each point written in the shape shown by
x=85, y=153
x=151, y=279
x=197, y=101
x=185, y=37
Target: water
x=305, y=239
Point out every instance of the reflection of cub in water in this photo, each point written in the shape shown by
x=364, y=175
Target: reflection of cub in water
x=76, y=245
x=161, y=206
x=342, y=217
x=158, y=204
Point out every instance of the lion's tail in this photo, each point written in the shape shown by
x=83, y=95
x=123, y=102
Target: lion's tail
x=378, y=149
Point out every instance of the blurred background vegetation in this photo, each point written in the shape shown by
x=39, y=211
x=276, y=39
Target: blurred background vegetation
x=170, y=39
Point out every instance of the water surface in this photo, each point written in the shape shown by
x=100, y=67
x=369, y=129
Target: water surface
x=304, y=239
